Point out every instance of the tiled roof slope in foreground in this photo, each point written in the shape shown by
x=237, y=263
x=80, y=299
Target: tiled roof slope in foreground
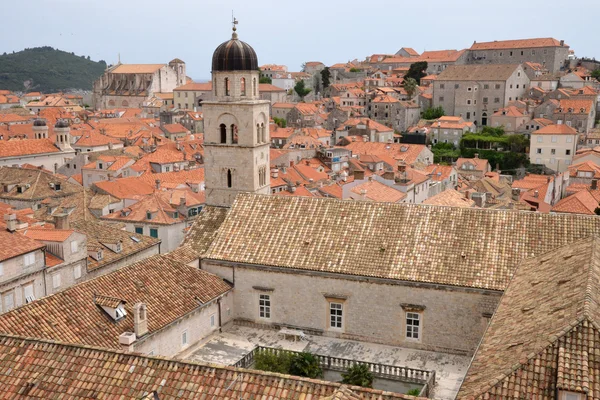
x=442, y=245
x=37, y=369
x=169, y=289
x=544, y=335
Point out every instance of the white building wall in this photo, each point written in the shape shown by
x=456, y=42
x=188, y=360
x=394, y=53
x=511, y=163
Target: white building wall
x=47, y=160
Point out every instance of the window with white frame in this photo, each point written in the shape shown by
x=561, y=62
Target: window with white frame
x=74, y=246
x=56, y=281
x=184, y=338
x=540, y=139
x=413, y=325
x=29, y=259
x=28, y=294
x=77, y=271
x=554, y=139
x=8, y=300
x=569, y=139
x=336, y=315
x=264, y=306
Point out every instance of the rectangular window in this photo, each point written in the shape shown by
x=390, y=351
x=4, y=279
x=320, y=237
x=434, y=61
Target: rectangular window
x=456, y=86
x=154, y=232
x=468, y=102
x=335, y=315
x=264, y=306
x=9, y=301
x=441, y=98
x=538, y=151
x=540, y=139
x=212, y=320
x=139, y=230
x=74, y=246
x=28, y=293
x=77, y=271
x=496, y=99
x=29, y=259
x=442, y=86
x=553, y=151
x=486, y=86
x=554, y=139
x=184, y=339
x=568, y=152
x=469, y=89
x=497, y=86
x=56, y=281
x=413, y=325
x=485, y=100
x=569, y=139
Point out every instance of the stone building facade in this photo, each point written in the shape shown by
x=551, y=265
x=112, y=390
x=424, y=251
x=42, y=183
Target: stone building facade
x=131, y=85
x=548, y=52
x=476, y=92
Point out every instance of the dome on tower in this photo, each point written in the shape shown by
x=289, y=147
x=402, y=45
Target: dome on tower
x=39, y=122
x=234, y=55
x=61, y=124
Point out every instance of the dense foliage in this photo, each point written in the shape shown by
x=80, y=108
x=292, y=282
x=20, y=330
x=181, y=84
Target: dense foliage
x=284, y=362
x=326, y=77
x=358, y=375
x=301, y=89
x=596, y=74
x=281, y=122
x=444, y=153
x=265, y=79
x=47, y=70
x=434, y=113
x=410, y=85
x=417, y=71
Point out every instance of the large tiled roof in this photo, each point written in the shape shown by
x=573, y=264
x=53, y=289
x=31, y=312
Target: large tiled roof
x=137, y=68
x=201, y=233
x=15, y=244
x=40, y=369
x=443, y=245
x=555, y=130
x=15, y=148
x=451, y=198
x=39, y=182
x=544, y=335
x=516, y=44
x=582, y=202
x=377, y=191
x=488, y=72
x=97, y=234
x=193, y=86
x=168, y=288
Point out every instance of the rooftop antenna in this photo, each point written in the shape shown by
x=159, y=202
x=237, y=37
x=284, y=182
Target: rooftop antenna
x=234, y=22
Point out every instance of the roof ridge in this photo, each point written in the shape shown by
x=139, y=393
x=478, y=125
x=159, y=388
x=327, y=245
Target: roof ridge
x=588, y=297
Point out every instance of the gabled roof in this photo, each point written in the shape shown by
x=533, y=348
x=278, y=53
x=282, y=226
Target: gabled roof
x=561, y=129
x=582, y=202
x=517, y=44
x=544, y=334
x=26, y=147
x=15, y=244
x=267, y=87
x=48, y=235
x=257, y=230
x=486, y=72
x=42, y=184
x=450, y=198
x=137, y=68
x=85, y=372
x=169, y=289
x=193, y=86
x=377, y=191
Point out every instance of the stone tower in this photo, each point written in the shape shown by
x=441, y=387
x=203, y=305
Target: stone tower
x=236, y=126
x=63, y=135
x=40, y=129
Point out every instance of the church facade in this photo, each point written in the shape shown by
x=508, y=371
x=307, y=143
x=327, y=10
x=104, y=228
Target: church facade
x=130, y=85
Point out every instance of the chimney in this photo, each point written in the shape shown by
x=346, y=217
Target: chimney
x=182, y=200
x=536, y=194
x=594, y=184
x=157, y=184
x=401, y=167
x=140, y=319
x=11, y=222
x=359, y=175
x=126, y=340
x=479, y=199
x=61, y=221
x=274, y=173
x=388, y=175
x=515, y=194
x=562, y=42
x=476, y=155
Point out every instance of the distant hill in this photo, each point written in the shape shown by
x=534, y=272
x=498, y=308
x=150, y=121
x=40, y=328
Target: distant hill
x=44, y=69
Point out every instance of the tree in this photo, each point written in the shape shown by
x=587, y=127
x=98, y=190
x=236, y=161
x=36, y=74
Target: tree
x=303, y=67
x=414, y=392
x=317, y=84
x=596, y=74
x=410, y=85
x=326, y=77
x=517, y=143
x=301, y=89
x=358, y=375
x=434, y=113
x=281, y=122
x=265, y=79
x=353, y=69
x=273, y=362
x=417, y=71
x=305, y=364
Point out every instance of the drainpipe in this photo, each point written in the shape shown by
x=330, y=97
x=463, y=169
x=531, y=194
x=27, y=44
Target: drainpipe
x=44, y=274
x=219, y=306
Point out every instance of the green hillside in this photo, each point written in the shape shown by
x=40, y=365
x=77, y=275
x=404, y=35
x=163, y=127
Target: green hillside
x=45, y=69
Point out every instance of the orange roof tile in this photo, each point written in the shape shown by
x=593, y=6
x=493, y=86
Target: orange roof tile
x=377, y=191
x=582, y=202
x=516, y=44
x=14, y=148
x=561, y=129
x=137, y=68
x=49, y=235
x=15, y=244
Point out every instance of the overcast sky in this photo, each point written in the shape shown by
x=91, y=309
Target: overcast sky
x=286, y=32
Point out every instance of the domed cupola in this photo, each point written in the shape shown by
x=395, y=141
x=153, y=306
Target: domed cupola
x=234, y=55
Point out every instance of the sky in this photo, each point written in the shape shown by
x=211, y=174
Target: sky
x=285, y=32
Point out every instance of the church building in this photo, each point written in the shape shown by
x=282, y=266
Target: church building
x=130, y=85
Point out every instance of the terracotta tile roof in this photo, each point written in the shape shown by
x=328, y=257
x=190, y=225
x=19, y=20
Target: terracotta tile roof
x=200, y=87
x=450, y=198
x=86, y=372
x=410, y=51
x=385, y=99
x=575, y=106
x=52, y=260
x=125, y=188
x=434, y=56
x=137, y=68
x=449, y=122
x=586, y=166
x=516, y=44
x=42, y=184
x=439, y=172
x=161, y=211
x=175, y=128
x=48, y=235
x=6, y=118
x=176, y=178
x=281, y=133
x=483, y=256
x=377, y=191
x=267, y=87
x=169, y=289
x=510, y=111
x=479, y=163
x=300, y=191
x=554, y=298
x=98, y=233
x=306, y=108
x=582, y=202
x=487, y=72
x=93, y=138
x=15, y=244
x=334, y=190
x=392, y=151
x=283, y=105
x=15, y=148
x=561, y=129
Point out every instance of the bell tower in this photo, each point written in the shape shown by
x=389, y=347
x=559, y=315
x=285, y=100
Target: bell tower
x=236, y=126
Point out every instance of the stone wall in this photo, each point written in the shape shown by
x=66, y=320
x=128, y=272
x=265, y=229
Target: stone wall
x=453, y=319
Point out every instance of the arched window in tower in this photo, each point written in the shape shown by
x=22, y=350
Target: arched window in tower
x=243, y=86
x=263, y=133
x=125, y=103
x=234, y=134
x=254, y=87
x=257, y=133
x=226, y=86
x=229, y=178
x=223, y=129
